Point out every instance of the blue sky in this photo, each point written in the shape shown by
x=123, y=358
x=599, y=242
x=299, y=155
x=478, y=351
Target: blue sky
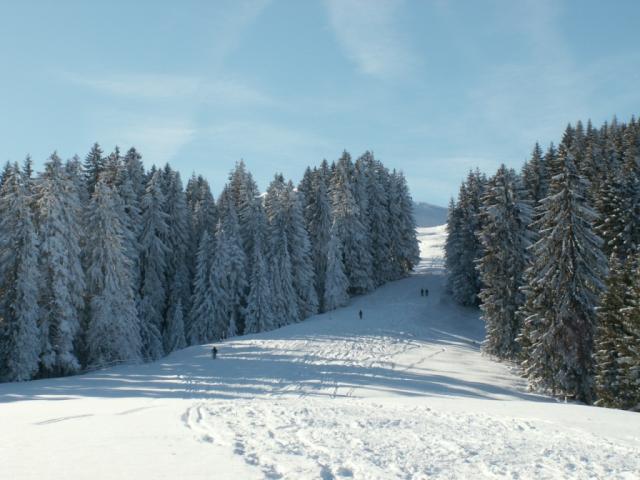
x=434, y=88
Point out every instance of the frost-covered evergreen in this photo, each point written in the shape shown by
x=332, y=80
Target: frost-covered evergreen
x=565, y=280
x=336, y=283
x=200, y=326
x=228, y=275
x=627, y=346
x=379, y=212
x=113, y=329
x=259, y=313
x=59, y=223
x=349, y=228
x=405, y=252
x=610, y=331
x=463, y=247
x=300, y=254
x=534, y=176
x=153, y=262
x=178, y=274
x=174, y=337
x=20, y=340
x=119, y=264
x=94, y=163
x=317, y=214
x=505, y=216
x=285, y=302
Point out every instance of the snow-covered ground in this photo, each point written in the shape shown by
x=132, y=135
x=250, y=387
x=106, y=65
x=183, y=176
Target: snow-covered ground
x=402, y=393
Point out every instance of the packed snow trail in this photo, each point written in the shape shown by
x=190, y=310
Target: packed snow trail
x=402, y=393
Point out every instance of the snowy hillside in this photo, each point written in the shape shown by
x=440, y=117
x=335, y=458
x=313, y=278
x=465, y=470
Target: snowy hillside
x=428, y=215
x=402, y=393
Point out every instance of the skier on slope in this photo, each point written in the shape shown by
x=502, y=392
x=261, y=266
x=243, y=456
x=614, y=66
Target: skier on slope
x=360, y=314
x=214, y=352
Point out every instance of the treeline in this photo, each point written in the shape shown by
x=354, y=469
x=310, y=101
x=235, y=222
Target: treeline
x=102, y=262
x=551, y=256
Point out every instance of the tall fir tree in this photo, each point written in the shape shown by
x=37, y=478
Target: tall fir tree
x=317, y=214
x=227, y=277
x=59, y=226
x=405, y=251
x=336, y=284
x=565, y=280
x=505, y=216
x=153, y=262
x=349, y=228
x=616, y=299
x=259, y=313
x=464, y=247
x=178, y=273
x=20, y=340
x=281, y=273
x=300, y=254
x=200, y=325
x=94, y=164
x=113, y=329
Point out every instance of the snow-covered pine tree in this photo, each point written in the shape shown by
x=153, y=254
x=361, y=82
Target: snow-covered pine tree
x=259, y=313
x=349, y=229
x=628, y=238
x=204, y=217
x=564, y=282
x=153, y=261
x=245, y=196
x=174, y=337
x=113, y=329
x=227, y=277
x=610, y=330
x=20, y=340
x=73, y=168
x=628, y=348
x=178, y=275
x=317, y=213
x=534, y=176
x=378, y=191
x=130, y=187
x=464, y=247
x=94, y=163
x=505, y=216
x=112, y=167
x=452, y=242
x=300, y=254
x=200, y=325
x=202, y=207
x=336, y=283
x=405, y=252
x=59, y=224
x=285, y=299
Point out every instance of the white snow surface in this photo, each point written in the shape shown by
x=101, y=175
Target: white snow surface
x=403, y=393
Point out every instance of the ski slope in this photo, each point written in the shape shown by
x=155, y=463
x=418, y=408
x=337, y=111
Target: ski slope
x=403, y=393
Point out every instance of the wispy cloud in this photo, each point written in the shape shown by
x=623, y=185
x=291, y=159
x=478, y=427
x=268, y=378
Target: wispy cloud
x=148, y=86
x=140, y=85
x=159, y=140
x=366, y=31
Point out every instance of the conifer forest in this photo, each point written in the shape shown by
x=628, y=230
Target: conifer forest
x=551, y=255
x=103, y=262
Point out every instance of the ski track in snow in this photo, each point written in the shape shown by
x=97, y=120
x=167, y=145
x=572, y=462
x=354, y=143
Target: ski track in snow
x=402, y=394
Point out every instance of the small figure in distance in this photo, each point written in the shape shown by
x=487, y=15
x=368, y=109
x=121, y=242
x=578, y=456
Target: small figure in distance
x=360, y=314
x=422, y=292
x=214, y=352
x=426, y=292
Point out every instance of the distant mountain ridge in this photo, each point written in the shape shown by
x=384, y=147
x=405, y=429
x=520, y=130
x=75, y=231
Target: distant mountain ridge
x=428, y=215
